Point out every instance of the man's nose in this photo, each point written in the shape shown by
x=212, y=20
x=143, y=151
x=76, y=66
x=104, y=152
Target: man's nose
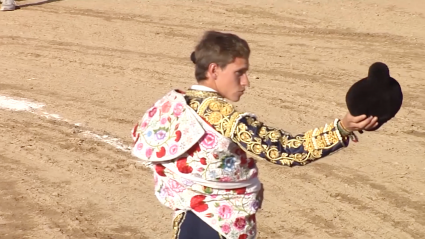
x=245, y=80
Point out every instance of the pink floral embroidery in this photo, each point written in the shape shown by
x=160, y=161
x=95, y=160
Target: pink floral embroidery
x=225, y=211
x=145, y=124
x=152, y=112
x=168, y=191
x=148, y=152
x=178, y=109
x=225, y=228
x=239, y=223
x=209, y=141
x=175, y=186
x=173, y=149
x=139, y=146
x=225, y=179
x=163, y=120
x=166, y=107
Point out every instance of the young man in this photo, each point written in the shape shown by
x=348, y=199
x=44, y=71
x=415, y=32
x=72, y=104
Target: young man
x=202, y=149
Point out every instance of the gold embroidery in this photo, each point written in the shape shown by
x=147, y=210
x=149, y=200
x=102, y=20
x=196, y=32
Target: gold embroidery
x=177, y=222
x=201, y=94
x=215, y=105
x=194, y=105
x=277, y=146
x=218, y=113
x=214, y=117
x=227, y=109
x=261, y=141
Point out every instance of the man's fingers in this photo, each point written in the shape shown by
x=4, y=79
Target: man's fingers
x=362, y=124
x=372, y=124
x=368, y=123
x=358, y=119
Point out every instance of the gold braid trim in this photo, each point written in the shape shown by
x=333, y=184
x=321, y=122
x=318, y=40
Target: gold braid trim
x=202, y=94
x=177, y=222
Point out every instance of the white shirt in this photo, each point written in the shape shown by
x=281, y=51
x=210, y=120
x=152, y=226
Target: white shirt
x=201, y=87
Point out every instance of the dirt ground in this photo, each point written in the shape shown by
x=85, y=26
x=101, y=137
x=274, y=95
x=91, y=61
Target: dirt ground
x=102, y=63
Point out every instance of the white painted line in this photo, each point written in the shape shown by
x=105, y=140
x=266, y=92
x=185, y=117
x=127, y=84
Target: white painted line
x=15, y=104
x=9, y=103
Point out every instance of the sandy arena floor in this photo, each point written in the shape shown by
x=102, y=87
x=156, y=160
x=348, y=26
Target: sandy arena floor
x=100, y=63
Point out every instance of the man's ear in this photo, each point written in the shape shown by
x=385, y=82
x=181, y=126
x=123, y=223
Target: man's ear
x=213, y=70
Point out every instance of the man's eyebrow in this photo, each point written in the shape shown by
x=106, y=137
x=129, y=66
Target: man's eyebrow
x=245, y=68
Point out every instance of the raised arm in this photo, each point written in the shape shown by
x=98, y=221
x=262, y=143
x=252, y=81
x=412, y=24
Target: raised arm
x=280, y=147
x=276, y=145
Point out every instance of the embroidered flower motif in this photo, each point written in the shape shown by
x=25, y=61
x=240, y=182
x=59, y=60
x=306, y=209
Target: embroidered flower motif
x=197, y=203
x=166, y=107
x=145, y=124
x=169, y=192
x=178, y=135
x=243, y=236
x=229, y=163
x=148, y=152
x=240, y=191
x=175, y=186
x=152, y=112
x=193, y=149
x=178, y=109
x=225, y=228
x=163, y=120
x=239, y=223
x=139, y=146
x=161, y=152
x=173, y=149
x=209, y=141
x=187, y=182
x=212, y=174
x=160, y=135
x=225, y=211
x=183, y=167
x=255, y=205
x=203, y=161
x=159, y=168
x=225, y=179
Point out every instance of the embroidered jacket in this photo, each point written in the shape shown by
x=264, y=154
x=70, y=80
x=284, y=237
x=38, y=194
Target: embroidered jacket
x=197, y=145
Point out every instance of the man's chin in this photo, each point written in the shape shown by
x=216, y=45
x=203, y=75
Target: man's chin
x=235, y=98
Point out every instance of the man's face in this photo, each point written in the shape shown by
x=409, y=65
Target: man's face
x=232, y=80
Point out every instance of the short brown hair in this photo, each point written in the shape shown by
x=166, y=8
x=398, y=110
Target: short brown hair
x=220, y=48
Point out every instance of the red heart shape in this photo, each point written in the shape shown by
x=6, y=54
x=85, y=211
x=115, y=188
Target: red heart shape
x=160, y=153
x=178, y=135
x=183, y=167
x=159, y=168
x=197, y=203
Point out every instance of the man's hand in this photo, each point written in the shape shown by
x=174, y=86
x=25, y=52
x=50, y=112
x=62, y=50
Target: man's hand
x=359, y=123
